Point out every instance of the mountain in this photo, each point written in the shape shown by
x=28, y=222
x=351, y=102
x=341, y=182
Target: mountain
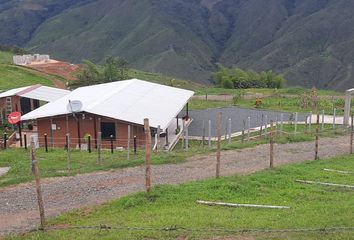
x=310, y=41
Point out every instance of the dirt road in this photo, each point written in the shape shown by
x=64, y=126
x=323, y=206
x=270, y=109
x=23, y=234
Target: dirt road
x=18, y=206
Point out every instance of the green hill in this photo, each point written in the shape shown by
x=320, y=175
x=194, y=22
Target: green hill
x=5, y=57
x=310, y=42
x=12, y=76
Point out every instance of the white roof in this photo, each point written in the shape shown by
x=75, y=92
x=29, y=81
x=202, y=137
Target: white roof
x=129, y=100
x=43, y=93
x=12, y=92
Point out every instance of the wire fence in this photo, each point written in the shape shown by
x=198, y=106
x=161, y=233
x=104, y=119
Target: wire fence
x=270, y=133
x=179, y=229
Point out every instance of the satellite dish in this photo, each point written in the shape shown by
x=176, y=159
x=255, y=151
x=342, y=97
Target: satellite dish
x=74, y=106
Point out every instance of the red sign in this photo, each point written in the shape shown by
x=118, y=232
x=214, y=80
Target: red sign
x=14, y=117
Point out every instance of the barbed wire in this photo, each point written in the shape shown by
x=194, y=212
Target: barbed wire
x=180, y=229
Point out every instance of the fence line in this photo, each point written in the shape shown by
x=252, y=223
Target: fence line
x=176, y=228
x=271, y=134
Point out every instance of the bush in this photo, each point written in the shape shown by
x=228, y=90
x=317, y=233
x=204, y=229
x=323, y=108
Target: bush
x=237, y=97
x=238, y=78
x=227, y=83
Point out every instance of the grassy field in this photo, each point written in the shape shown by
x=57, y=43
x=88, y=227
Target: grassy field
x=268, y=91
x=311, y=206
x=287, y=99
x=163, y=79
x=283, y=104
x=5, y=57
x=54, y=163
x=12, y=77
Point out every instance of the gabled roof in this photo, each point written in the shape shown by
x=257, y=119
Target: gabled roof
x=38, y=92
x=129, y=100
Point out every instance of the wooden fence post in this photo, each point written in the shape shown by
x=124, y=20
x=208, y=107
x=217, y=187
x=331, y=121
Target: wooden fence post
x=158, y=145
x=218, y=153
x=51, y=133
x=183, y=133
x=243, y=131
x=135, y=146
x=147, y=155
x=323, y=116
x=230, y=130
x=46, y=142
x=203, y=137
x=25, y=140
x=281, y=123
x=111, y=142
x=249, y=128
x=261, y=130
x=187, y=138
x=89, y=143
x=209, y=133
x=317, y=136
x=99, y=146
x=128, y=143
x=310, y=122
x=271, y=143
x=296, y=119
x=20, y=133
x=68, y=151
x=36, y=173
x=5, y=140
x=351, y=134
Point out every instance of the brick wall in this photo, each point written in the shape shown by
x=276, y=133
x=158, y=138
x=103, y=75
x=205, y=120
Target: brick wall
x=88, y=124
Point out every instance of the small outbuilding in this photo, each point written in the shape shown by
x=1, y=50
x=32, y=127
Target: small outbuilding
x=116, y=110
x=27, y=99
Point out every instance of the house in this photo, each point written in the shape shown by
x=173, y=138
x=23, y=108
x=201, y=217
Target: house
x=115, y=110
x=26, y=99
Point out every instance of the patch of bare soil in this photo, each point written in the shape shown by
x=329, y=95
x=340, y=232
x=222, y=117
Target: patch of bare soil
x=63, y=69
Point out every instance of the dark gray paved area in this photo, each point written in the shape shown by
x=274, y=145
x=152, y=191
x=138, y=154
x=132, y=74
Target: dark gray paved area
x=237, y=116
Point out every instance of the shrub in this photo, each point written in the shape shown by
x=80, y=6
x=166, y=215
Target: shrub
x=238, y=78
x=237, y=97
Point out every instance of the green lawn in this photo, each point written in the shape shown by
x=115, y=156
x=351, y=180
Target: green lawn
x=312, y=206
x=54, y=163
x=12, y=76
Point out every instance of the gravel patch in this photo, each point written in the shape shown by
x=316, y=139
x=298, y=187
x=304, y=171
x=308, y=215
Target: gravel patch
x=18, y=205
x=237, y=115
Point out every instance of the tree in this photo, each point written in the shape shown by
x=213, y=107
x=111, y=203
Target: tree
x=89, y=74
x=239, y=78
x=115, y=69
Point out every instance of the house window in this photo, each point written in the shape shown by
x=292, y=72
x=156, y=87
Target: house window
x=25, y=105
x=108, y=129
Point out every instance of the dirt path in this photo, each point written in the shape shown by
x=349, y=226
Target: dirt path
x=18, y=206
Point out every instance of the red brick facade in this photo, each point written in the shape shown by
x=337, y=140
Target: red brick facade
x=84, y=125
x=16, y=105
